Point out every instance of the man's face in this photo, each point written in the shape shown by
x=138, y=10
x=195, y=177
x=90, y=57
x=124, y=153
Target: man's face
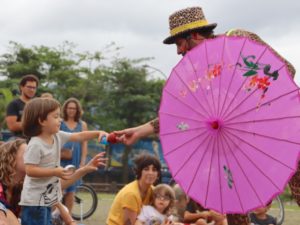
x=29, y=89
x=186, y=44
x=182, y=46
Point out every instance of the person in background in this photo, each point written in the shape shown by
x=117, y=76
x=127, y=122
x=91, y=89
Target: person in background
x=186, y=211
x=260, y=216
x=160, y=208
x=46, y=95
x=42, y=188
x=61, y=215
x=189, y=28
x=181, y=201
x=12, y=172
x=130, y=199
x=196, y=214
x=73, y=153
x=27, y=86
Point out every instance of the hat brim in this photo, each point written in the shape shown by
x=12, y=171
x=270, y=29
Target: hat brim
x=171, y=39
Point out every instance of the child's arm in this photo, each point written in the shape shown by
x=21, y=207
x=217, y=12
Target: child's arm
x=91, y=166
x=87, y=135
x=64, y=214
x=33, y=170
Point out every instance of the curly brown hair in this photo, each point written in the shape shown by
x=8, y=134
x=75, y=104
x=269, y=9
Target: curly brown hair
x=143, y=160
x=78, y=109
x=8, y=160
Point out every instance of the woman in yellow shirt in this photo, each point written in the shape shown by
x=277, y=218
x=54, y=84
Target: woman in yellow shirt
x=130, y=199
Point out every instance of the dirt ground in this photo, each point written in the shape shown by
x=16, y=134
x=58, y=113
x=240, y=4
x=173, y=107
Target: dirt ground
x=292, y=216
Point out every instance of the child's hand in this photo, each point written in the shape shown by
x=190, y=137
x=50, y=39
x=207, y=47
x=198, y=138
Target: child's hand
x=63, y=173
x=101, y=134
x=97, y=161
x=167, y=222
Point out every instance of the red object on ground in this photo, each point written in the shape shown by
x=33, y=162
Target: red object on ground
x=111, y=138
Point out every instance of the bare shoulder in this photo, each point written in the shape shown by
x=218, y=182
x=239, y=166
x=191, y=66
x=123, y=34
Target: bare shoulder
x=84, y=125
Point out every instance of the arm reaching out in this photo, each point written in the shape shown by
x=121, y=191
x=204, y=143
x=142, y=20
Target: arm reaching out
x=131, y=135
x=97, y=161
x=87, y=135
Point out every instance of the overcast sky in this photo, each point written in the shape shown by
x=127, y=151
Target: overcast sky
x=139, y=26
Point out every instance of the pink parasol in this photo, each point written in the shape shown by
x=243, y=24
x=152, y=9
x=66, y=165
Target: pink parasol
x=230, y=124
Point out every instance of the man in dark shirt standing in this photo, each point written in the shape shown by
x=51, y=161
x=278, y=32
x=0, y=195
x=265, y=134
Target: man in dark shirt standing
x=14, y=110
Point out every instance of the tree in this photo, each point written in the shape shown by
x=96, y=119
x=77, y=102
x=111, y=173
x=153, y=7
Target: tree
x=114, y=95
x=124, y=95
x=5, y=97
x=59, y=69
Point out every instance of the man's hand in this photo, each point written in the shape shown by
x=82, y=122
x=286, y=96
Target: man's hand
x=130, y=136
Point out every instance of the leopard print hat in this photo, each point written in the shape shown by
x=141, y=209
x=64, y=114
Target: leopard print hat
x=186, y=20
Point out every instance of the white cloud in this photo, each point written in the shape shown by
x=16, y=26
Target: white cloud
x=140, y=26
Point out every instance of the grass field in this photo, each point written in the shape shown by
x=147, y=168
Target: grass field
x=292, y=212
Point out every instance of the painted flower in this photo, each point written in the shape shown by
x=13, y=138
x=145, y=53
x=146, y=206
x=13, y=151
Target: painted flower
x=182, y=126
x=263, y=83
x=193, y=86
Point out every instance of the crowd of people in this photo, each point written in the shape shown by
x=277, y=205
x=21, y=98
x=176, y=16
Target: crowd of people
x=32, y=174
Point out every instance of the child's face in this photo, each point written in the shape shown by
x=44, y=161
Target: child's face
x=161, y=201
x=52, y=124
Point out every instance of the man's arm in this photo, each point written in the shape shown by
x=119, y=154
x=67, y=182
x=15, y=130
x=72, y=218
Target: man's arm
x=131, y=135
x=12, y=124
x=12, y=112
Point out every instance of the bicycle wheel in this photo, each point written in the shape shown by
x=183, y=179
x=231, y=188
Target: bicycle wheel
x=277, y=210
x=85, y=202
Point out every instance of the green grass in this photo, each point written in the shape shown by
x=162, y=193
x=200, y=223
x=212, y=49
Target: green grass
x=105, y=196
x=292, y=211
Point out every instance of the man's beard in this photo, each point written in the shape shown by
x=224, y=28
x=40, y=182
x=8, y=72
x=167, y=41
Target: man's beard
x=28, y=97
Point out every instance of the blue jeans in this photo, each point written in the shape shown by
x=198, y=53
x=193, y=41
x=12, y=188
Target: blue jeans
x=36, y=215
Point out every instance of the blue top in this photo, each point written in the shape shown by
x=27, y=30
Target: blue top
x=74, y=146
x=76, y=151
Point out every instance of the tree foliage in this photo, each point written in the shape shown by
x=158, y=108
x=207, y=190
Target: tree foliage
x=115, y=92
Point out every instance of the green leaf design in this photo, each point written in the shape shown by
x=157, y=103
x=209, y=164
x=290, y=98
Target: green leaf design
x=250, y=73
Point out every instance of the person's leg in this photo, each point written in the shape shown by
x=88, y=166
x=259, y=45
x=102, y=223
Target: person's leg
x=294, y=184
x=238, y=219
x=69, y=200
x=35, y=215
x=69, y=196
